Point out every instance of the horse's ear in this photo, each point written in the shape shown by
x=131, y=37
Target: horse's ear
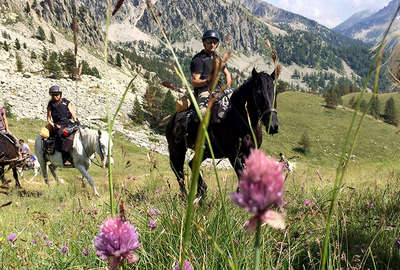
x=276, y=72
x=254, y=72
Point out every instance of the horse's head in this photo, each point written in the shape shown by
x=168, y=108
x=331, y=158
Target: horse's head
x=102, y=148
x=265, y=100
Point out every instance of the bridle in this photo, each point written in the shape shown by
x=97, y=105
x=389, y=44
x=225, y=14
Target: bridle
x=260, y=112
x=101, y=151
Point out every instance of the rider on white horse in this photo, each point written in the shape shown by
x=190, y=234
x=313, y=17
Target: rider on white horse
x=59, y=115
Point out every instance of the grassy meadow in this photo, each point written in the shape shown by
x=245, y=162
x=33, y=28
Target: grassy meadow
x=364, y=234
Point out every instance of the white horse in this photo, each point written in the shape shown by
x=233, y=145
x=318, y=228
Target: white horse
x=86, y=143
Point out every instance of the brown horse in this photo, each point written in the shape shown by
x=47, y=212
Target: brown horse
x=8, y=156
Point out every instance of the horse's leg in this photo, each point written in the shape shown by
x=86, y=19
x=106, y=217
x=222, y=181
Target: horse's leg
x=15, y=174
x=177, y=160
x=53, y=172
x=2, y=176
x=201, y=185
x=84, y=172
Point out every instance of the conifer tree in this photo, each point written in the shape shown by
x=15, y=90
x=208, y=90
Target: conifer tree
x=17, y=44
x=41, y=35
x=27, y=8
x=137, y=113
x=118, y=60
x=5, y=46
x=52, y=67
x=375, y=109
x=52, y=38
x=33, y=55
x=68, y=63
x=305, y=143
x=391, y=112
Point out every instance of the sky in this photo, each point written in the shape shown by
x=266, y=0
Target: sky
x=328, y=12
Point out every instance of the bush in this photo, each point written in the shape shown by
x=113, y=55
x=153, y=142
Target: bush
x=5, y=46
x=33, y=55
x=305, y=143
x=52, y=38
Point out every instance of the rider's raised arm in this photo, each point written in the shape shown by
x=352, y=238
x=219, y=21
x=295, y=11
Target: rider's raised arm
x=5, y=122
x=49, y=119
x=71, y=110
x=228, y=77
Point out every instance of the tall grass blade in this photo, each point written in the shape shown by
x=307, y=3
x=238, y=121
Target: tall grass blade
x=342, y=166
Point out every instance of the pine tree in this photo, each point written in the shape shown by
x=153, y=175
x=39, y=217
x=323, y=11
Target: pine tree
x=118, y=60
x=52, y=67
x=68, y=63
x=33, y=55
x=351, y=101
x=137, y=113
x=52, y=38
x=391, y=112
x=27, y=8
x=375, y=109
x=332, y=99
x=45, y=54
x=41, y=35
x=305, y=143
x=363, y=106
x=24, y=45
x=86, y=68
x=17, y=44
x=5, y=46
x=95, y=72
x=20, y=65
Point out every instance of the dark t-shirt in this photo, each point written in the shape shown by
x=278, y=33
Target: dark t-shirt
x=203, y=64
x=60, y=112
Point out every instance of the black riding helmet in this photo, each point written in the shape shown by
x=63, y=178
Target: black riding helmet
x=211, y=34
x=55, y=89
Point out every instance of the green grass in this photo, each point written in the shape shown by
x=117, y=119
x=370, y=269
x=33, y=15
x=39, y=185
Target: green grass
x=368, y=211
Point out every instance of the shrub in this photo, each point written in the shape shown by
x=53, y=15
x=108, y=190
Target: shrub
x=68, y=63
x=17, y=44
x=391, y=112
x=137, y=115
x=305, y=143
x=41, y=35
x=52, y=67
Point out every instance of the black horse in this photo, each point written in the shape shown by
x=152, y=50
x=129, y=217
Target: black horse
x=231, y=138
x=8, y=156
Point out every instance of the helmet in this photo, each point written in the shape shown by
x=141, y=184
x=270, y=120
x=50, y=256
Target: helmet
x=211, y=34
x=55, y=89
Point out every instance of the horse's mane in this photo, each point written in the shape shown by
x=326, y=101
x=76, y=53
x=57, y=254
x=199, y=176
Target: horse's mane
x=89, y=138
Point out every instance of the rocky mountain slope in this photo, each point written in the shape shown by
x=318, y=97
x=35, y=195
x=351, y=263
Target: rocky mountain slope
x=370, y=28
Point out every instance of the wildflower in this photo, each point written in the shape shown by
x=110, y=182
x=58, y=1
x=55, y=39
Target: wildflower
x=38, y=234
x=64, y=249
x=12, y=237
x=285, y=203
x=152, y=224
x=261, y=187
x=59, y=233
x=85, y=252
x=154, y=212
x=34, y=241
x=49, y=243
x=63, y=204
x=307, y=203
x=397, y=243
x=95, y=211
x=186, y=266
x=58, y=209
x=158, y=191
x=44, y=236
x=117, y=240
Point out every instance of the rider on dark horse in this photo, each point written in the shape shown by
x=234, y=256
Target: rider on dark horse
x=202, y=66
x=4, y=129
x=59, y=115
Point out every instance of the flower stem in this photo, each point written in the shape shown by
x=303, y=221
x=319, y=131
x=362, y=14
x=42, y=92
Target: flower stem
x=257, y=246
x=110, y=181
